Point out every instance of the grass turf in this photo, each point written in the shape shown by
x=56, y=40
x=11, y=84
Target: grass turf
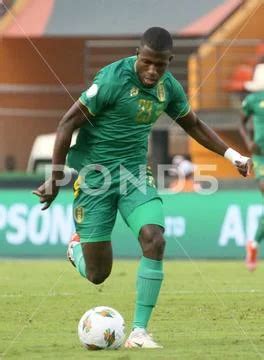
x=207, y=310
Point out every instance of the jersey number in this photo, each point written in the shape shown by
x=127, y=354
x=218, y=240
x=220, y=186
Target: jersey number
x=148, y=113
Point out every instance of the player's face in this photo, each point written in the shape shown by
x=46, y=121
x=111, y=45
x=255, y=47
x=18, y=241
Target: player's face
x=151, y=65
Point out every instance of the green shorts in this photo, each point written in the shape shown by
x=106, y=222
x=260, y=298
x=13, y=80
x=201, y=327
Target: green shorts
x=95, y=214
x=258, y=161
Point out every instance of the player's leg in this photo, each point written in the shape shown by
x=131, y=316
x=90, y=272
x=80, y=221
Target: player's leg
x=90, y=250
x=93, y=260
x=147, y=223
x=260, y=230
x=252, y=245
x=98, y=260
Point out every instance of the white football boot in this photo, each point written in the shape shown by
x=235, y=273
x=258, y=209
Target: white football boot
x=75, y=239
x=139, y=338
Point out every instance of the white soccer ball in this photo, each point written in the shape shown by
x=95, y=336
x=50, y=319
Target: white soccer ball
x=101, y=328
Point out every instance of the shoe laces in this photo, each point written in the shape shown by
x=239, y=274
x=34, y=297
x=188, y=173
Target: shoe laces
x=143, y=333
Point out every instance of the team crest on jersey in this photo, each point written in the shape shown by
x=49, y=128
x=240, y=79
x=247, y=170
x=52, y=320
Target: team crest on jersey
x=161, y=92
x=79, y=214
x=261, y=104
x=134, y=91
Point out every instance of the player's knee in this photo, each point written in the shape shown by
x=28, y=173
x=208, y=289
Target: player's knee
x=97, y=277
x=159, y=243
x=152, y=239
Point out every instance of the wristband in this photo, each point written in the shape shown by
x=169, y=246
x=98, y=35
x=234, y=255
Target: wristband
x=234, y=156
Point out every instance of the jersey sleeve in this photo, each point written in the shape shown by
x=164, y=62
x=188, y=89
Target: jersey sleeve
x=100, y=94
x=178, y=105
x=246, y=106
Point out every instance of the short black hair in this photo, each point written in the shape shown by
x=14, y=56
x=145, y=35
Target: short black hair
x=157, y=38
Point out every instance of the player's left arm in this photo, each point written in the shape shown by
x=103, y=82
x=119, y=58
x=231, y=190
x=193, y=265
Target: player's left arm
x=205, y=136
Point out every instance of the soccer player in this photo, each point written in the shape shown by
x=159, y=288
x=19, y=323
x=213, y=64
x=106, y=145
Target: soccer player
x=115, y=116
x=253, y=108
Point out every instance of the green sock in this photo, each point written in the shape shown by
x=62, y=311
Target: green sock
x=260, y=230
x=149, y=279
x=79, y=259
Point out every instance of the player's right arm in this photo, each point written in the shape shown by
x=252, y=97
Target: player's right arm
x=74, y=118
x=93, y=101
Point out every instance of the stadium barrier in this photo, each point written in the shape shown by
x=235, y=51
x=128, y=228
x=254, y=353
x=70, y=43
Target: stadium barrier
x=197, y=226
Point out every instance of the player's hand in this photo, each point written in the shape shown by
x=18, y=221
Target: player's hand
x=244, y=168
x=47, y=192
x=254, y=148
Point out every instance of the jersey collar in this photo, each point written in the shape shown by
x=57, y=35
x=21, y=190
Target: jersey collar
x=155, y=90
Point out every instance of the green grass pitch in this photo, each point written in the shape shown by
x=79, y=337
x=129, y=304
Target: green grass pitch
x=206, y=310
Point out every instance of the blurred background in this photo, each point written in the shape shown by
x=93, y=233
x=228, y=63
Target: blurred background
x=49, y=52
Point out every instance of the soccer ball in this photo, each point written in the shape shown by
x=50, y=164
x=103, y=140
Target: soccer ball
x=101, y=328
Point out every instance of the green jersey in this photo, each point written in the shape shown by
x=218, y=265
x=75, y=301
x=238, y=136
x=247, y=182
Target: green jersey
x=124, y=111
x=253, y=105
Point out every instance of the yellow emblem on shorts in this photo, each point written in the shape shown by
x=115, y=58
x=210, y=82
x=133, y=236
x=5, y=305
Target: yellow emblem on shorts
x=134, y=91
x=161, y=92
x=79, y=214
x=261, y=104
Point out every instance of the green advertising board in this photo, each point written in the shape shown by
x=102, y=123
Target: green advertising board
x=197, y=226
